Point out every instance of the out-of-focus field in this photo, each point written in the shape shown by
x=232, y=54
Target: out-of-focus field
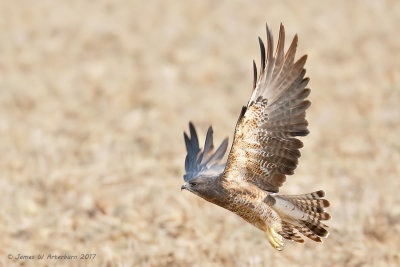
x=95, y=95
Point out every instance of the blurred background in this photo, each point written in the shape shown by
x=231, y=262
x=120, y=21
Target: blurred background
x=95, y=95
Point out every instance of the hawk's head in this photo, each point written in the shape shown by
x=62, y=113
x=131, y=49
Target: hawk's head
x=203, y=186
x=199, y=184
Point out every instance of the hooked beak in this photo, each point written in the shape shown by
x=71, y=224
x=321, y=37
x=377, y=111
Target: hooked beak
x=183, y=187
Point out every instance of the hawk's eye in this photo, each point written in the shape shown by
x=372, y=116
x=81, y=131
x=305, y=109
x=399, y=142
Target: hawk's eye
x=192, y=183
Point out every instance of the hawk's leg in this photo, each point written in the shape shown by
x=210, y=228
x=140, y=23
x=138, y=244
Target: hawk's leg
x=275, y=239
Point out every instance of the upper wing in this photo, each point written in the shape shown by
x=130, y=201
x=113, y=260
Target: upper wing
x=265, y=149
x=206, y=162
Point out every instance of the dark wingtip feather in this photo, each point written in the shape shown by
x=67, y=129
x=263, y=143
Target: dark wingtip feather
x=187, y=164
x=267, y=29
x=191, y=128
x=270, y=42
x=193, y=135
x=254, y=75
x=295, y=38
x=208, y=145
x=187, y=141
x=290, y=53
x=209, y=137
x=220, y=152
x=281, y=41
x=262, y=49
x=224, y=144
x=301, y=61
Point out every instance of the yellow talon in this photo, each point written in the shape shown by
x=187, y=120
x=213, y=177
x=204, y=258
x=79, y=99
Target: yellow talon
x=275, y=239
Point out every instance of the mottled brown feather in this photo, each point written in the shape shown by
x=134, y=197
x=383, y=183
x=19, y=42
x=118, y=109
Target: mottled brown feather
x=265, y=147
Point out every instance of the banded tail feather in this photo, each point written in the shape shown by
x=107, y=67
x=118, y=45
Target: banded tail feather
x=301, y=214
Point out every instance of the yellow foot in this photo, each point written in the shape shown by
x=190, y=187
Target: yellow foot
x=275, y=239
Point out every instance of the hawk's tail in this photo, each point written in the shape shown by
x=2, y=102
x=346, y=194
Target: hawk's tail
x=302, y=214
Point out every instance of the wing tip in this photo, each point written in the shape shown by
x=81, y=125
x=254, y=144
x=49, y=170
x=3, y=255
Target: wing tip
x=254, y=75
x=191, y=126
x=302, y=61
x=208, y=146
x=296, y=38
x=262, y=49
x=210, y=130
x=267, y=28
x=281, y=42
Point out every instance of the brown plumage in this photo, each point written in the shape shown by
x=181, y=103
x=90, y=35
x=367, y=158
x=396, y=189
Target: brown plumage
x=265, y=149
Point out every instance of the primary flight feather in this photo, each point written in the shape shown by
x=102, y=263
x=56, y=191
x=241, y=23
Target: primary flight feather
x=265, y=149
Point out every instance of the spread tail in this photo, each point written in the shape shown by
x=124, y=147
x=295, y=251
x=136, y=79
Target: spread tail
x=301, y=214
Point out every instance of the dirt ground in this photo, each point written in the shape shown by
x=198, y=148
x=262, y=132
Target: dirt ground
x=95, y=95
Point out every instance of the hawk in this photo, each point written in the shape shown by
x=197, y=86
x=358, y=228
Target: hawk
x=265, y=149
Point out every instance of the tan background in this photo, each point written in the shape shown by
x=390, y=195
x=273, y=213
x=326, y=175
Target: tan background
x=94, y=96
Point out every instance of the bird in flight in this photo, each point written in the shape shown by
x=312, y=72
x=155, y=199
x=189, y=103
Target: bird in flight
x=265, y=149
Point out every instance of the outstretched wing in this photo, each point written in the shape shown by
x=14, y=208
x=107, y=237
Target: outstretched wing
x=265, y=148
x=203, y=162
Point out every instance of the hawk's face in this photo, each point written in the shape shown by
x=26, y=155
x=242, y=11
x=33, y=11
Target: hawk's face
x=201, y=185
